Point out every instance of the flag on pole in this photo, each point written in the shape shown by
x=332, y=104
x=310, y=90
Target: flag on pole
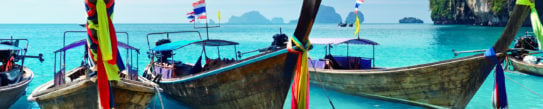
x=200, y=9
x=357, y=20
x=357, y=24
x=356, y=5
x=191, y=16
x=219, y=15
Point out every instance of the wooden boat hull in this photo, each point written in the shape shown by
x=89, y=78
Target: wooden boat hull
x=260, y=84
x=83, y=93
x=10, y=94
x=449, y=84
x=524, y=67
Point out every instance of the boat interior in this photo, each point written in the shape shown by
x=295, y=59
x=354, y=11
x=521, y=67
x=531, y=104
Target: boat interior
x=11, y=69
x=12, y=75
x=164, y=66
x=167, y=67
x=524, y=45
x=342, y=62
x=87, y=68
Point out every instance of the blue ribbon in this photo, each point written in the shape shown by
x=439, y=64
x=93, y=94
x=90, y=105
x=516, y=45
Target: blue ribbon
x=499, y=82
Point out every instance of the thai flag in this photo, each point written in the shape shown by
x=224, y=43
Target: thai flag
x=200, y=9
x=357, y=4
x=191, y=16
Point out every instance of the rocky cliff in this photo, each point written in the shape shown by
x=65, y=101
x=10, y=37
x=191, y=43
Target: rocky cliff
x=252, y=17
x=327, y=14
x=473, y=12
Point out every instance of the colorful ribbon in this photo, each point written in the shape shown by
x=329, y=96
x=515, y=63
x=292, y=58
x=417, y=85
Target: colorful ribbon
x=300, y=85
x=107, y=56
x=499, y=94
x=536, y=23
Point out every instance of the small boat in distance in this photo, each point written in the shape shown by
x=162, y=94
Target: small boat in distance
x=14, y=76
x=444, y=84
x=77, y=88
x=342, y=24
x=522, y=59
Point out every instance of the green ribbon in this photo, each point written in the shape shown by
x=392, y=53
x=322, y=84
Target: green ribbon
x=534, y=17
x=525, y=2
x=536, y=26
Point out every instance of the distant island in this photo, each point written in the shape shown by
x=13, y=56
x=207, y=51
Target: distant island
x=410, y=20
x=252, y=17
x=474, y=12
x=293, y=22
x=211, y=21
x=277, y=20
x=326, y=15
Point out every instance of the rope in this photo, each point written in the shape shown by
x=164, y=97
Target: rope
x=322, y=86
x=524, y=87
x=159, y=98
x=507, y=63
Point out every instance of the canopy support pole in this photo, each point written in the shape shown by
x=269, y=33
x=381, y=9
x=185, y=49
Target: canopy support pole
x=235, y=51
x=218, y=52
x=373, y=56
x=347, y=50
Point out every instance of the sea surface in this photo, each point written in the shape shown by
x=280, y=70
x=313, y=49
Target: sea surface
x=400, y=45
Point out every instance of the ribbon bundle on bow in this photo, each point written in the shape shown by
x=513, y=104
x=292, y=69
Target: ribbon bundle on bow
x=300, y=85
x=499, y=94
x=104, y=45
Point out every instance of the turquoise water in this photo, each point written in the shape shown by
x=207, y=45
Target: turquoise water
x=401, y=45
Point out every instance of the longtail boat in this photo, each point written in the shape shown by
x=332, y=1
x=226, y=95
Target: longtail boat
x=77, y=88
x=260, y=81
x=524, y=67
x=444, y=84
x=524, y=47
x=14, y=76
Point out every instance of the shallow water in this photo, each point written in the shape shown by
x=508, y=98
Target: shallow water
x=400, y=45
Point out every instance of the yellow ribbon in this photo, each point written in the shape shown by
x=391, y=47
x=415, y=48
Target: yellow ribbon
x=104, y=41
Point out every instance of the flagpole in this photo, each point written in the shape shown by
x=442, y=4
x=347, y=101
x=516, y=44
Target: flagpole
x=207, y=29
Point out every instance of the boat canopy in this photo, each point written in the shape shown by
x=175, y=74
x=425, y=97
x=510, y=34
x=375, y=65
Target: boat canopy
x=216, y=42
x=334, y=41
x=84, y=42
x=8, y=47
x=183, y=43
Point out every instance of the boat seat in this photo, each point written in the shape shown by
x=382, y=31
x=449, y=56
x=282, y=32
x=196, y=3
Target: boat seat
x=217, y=63
x=320, y=64
x=197, y=66
x=59, y=78
x=164, y=71
x=348, y=62
x=132, y=72
x=3, y=80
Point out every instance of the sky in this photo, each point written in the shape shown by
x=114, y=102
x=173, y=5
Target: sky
x=173, y=11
